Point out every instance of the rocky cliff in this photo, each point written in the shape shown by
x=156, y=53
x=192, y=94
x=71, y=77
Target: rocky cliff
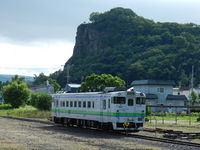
x=121, y=43
x=88, y=41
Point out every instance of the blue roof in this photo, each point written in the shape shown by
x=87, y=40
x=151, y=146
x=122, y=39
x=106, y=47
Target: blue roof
x=153, y=82
x=176, y=97
x=151, y=96
x=1, y=98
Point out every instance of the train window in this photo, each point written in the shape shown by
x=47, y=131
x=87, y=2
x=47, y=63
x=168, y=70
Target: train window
x=75, y=103
x=104, y=104
x=84, y=104
x=130, y=102
x=88, y=104
x=79, y=104
x=119, y=100
x=140, y=100
x=108, y=103
x=62, y=103
x=92, y=104
x=67, y=103
x=71, y=104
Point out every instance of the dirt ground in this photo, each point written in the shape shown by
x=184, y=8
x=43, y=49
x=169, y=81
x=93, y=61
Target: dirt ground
x=24, y=135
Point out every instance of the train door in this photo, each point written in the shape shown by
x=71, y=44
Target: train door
x=101, y=108
x=57, y=108
x=131, y=104
x=108, y=109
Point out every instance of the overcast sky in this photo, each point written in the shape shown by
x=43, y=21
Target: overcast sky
x=39, y=35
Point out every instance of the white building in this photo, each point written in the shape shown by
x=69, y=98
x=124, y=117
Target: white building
x=42, y=88
x=73, y=88
x=159, y=92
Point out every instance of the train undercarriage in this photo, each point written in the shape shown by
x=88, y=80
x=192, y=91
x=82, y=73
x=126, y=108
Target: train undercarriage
x=81, y=123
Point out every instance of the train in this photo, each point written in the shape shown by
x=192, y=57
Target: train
x=110, y=109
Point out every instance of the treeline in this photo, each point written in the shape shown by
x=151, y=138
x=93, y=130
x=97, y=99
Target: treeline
x=134, y=48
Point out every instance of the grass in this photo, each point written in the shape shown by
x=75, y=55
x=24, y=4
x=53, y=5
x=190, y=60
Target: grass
x=186, y=118
x=173, y=116
x=172, y=126
x=25, y=112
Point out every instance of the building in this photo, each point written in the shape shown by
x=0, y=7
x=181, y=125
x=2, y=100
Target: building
x=42, y=88
x=73, y=88
x=187, y=92
x=159, y=92
x=1, y=100
x=182, y=91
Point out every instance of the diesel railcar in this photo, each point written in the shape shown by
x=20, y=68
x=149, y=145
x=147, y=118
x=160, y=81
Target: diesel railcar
x=113, y=110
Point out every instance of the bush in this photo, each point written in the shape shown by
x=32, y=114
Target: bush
x=195, y=110
x=5, y=106
x=34, y=99
x=16, y=94
x=42, y=101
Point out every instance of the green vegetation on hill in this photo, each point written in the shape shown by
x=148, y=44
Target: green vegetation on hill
x=123, y=44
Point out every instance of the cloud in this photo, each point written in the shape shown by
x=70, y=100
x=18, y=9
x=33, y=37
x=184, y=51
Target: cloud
x=39, y=35
x=24, y=20
x=52, y=19
x=43, y=57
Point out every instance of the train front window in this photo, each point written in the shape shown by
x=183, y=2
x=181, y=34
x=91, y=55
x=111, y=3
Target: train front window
x=119, y=100
x=140, y=100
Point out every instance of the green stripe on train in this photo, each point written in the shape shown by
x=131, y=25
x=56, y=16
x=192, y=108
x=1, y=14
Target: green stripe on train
x=98, y=113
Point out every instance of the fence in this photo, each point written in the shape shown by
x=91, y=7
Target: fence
x=163, y=116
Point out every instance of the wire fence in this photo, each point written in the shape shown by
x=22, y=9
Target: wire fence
x=177, y=114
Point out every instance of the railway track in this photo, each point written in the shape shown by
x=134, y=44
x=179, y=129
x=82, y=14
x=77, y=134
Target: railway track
x=172, y=134
x=29, y=120
x=165, y=140
x=133, y=135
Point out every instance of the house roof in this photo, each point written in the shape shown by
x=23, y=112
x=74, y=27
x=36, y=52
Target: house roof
x=176, y=97
x=1, y=98
x=151, y=96
x=74, y=85
x=152, y=82
x=38, y=86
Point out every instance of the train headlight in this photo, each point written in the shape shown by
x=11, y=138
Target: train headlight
x=127, y=124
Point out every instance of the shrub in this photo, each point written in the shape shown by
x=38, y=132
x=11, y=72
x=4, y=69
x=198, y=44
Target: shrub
x=34, y=99
x=42, y=101
x=16, y=93
x=5, y=106
x=195, y=110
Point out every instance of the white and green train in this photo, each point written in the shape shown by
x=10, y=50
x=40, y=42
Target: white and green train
x=116, y=110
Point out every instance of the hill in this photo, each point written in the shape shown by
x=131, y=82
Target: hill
x=119, y=42
x=4, y=78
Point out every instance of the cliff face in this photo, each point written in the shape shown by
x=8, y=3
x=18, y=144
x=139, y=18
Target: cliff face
x=119, y=42
x=88, y=41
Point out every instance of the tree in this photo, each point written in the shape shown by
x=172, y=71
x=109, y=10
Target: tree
x=41, y=80
x=94, y=16
x=16, y=92
x=194, y=97
x=96, y=82
x=42, y=101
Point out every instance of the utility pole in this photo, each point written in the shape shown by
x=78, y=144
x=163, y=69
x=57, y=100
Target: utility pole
x=192, y=78
x=190, y=97
x=68, y=68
